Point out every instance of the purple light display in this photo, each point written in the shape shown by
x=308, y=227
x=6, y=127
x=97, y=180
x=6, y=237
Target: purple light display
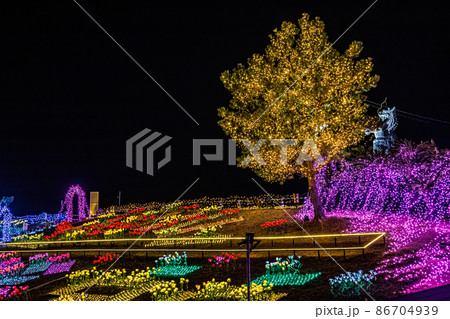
x=405, y=194
x=83, y=209
x=59, y=267
x=414, y=255
x=413, y=181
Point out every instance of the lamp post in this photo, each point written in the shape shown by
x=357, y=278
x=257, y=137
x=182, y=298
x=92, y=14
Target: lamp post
x=249, y=243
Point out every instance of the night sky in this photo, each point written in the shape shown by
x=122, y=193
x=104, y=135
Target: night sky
x=70, y=97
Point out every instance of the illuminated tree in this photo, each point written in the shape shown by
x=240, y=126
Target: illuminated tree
x=303, y=90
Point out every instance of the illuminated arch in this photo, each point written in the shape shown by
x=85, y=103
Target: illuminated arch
x=83, y=210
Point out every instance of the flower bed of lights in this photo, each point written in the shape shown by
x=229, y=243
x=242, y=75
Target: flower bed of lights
x=172, y=260
x=158, y=290
x=80, y=277
x=114, y=277
x=229, y=212
x=352, y=285
x=37, y=259
x=16, y=280
x=274, y=223
x=114, y=233
x=117, y=226
x=217, y=223
x=197, y=216
x=285, y=273
x=97, y=221
x=166, y=222
x=225, y=260
x=211, y=209
x=60, y=229
x=209, y=231
x=133, y=281
x=124, y=295
x=11, y=268
x=9, y=262
x=193, y=206
x=75, y=235
x=104, y=259
x=28, y=237
x=173, y=266
x=131, y=221
x=108, y=215
x=275, y=226
x=136, y=222
x=207, y=215
x=35, y=268
x=131, y=285
x=37, y=263
x=175, y=271
x=5, y=256
x=280, y=266
x=59, y=267
x=109, y=226
x=207, y=212
x=82, y=297
x=223, y=290
x=9, y=292
x=166, y=232
x=289, y=279
x=168, y=290
x=59, y=258
x=196, y=220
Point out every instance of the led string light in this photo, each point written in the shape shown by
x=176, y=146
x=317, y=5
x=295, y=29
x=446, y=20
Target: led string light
x=7, y=219
x=83, y=209
x=231, y=202
x=413, y=181
x=405, y=194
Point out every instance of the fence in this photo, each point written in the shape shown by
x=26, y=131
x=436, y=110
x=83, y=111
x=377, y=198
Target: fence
x=327, y=244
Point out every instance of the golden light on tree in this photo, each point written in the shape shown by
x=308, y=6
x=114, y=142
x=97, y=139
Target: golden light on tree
x=300, y=89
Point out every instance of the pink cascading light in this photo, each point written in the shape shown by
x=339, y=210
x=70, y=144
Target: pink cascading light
x=405, y=194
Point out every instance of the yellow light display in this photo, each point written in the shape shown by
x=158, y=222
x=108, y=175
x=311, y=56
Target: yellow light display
x=301, y=89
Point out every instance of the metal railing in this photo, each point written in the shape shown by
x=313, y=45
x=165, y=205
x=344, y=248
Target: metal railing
x=289, y=244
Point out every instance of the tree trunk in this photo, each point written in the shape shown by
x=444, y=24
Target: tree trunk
x=314, y=196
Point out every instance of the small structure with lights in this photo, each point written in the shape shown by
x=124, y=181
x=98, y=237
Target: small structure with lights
x=83, y=209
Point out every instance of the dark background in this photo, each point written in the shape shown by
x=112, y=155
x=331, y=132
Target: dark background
x=70, y=97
